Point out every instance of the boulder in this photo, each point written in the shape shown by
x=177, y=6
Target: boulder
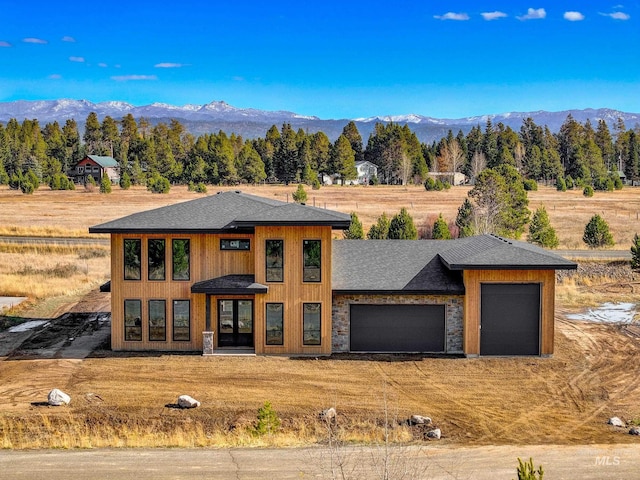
x=328, y=415
x=58, y=397
x=435, y=434
x=419, y=420
x=185, y=401
x=634, y=431
x=616, y=422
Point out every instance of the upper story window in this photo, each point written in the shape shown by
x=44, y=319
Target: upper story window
x=180, y=255
x=132, y=253
x=235, y=244
x=274, y=254
x=311, y=253
x=80, y=169
x=156, y=258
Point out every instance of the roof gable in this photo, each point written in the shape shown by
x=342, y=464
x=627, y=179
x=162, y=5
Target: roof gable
x=104, y=161
x=221, y=212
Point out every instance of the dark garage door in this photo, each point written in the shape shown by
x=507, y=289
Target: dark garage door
x=397, y=328
x=510, y=319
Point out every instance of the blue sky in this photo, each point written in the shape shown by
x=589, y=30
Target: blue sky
x=333, y=59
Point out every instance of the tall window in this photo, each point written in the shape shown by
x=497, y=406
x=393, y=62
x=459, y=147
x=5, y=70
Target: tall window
x=275, y=324
x=132, y=253
x=181, y=321
x=311, y=324
x=132, y=320
x=156, y=258
x=274, y=260
x=180, y=255
x=157, y=321
x=311, y=253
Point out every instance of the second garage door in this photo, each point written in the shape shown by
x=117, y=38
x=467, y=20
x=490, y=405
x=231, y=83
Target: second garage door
x=397, y=328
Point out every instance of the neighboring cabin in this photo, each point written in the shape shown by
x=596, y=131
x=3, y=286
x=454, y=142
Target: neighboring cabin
x=95, y=166
x=237, y=271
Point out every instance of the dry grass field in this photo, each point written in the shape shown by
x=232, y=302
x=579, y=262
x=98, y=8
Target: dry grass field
x=121, y=400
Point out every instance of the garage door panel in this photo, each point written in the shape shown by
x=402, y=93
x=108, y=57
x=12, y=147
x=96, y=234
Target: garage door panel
x=397, y=328
x=510, y=319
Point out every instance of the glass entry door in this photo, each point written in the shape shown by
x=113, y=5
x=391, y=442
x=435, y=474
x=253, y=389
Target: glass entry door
x=235, y=323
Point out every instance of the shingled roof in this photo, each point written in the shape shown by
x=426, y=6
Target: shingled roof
x=430, y=266
x=223, y=212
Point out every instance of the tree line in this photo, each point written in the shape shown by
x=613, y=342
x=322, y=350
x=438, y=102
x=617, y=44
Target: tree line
x=578, y=154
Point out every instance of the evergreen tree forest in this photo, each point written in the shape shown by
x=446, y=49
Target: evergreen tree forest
x=579, y=155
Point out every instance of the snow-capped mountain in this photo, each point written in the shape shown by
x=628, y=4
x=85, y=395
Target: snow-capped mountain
x=251, y=123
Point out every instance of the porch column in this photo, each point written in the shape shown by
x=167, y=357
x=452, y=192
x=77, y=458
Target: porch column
x=208, y=334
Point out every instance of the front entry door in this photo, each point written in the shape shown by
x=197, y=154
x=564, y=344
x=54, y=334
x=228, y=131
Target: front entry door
x=235, y=323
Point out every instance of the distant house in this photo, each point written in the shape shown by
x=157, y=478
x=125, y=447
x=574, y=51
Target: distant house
x=366, y=172
x=454, y=178
x=236, y=271
x=95, y=166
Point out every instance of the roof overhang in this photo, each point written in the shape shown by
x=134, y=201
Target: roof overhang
x=398, y=292
x=230, y=285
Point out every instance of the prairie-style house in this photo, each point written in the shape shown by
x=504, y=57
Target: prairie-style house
x=95, y=166
x=236, y=271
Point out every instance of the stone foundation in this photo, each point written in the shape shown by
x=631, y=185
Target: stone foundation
x=453, y=315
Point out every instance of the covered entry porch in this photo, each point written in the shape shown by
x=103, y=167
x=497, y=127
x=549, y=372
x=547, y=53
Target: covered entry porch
x=229, y=313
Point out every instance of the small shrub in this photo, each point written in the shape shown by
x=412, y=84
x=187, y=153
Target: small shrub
x=561, y=185
x=635, y=253
x=617, y=183
x=300, y=195
x=33, y=179
x=440, y=229
x=374, y=180
x=429, y=184
x=315, y=184
x=355, y=230
x=530, y=185
x=268, y=421
x=596, y=233
x=446, y=185
x=105, y=184
x=439, y=185
x=570, y=182
x=125, y=181
x=588, y=191
x=526, y=470
x=27, y=187
x=201, y=187
x=90, y=184
x=158, y=184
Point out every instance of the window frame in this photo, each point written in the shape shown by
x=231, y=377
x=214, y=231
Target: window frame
x=124, y=258
x=239, y=248
x=305, y=342
x=164, y=312
x=164, y=260
x=173, y=320
x=281, y=320
x=138, y=326
x=305, y=255
x=269, y=269
x=173, y=260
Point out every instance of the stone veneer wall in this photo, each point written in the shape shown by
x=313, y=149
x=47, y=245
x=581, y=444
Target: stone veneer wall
x=453, y=316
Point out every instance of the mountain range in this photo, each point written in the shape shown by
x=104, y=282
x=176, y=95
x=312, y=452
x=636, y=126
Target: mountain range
x=252, y=123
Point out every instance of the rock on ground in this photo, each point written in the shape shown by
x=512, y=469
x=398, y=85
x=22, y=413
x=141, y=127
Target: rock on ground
x=419, y=420
x=634, y=431
x=328, y=415
x=435, y=434
x=185, y=401
x=58, y=397
x=616, y=422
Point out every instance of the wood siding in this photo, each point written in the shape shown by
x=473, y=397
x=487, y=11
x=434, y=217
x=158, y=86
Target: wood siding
x=293, y=292
x=206, y=261
x=472, y=281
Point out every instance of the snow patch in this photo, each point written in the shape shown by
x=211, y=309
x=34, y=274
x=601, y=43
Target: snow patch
x=23, y=327
x=619, y=313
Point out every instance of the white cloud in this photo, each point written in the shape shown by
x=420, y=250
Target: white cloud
x=573, y=16
x=55, y=76
x=452, y=16
x=67, y=38
x=34, y=40
x=103, y=65
x=169, y=65
x=76, y=59
x=617, y=15
x=126, y=78
x=534, y=14
x=5, y=44
x=493, y=15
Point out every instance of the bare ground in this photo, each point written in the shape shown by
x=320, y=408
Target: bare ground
x=566, y=399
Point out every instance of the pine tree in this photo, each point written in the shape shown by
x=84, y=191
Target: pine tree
x=596, y=233
x=125, y=181
x=441, y=229
x=355, y=231
x=402, y=227
x=93, y=135
x=464, y=219
x=540, y=230
x=379, y=230
x=300, y=195
x=343, y=159
x=105, y=184
x=635, y=252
